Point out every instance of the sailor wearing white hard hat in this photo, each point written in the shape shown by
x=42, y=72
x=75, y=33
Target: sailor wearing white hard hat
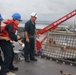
x=34, y=14
x=29, y=32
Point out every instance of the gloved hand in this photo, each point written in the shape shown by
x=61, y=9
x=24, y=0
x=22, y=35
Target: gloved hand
x=21, y=43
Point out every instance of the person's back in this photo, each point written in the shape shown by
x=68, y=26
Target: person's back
x=1, y=61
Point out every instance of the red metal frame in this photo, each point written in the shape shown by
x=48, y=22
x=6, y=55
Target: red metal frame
x=54, y=25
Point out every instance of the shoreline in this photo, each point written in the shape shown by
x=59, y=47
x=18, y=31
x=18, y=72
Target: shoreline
x=21, y=31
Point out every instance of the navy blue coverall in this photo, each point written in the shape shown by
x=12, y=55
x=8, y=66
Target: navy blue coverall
x=29, y=46
x=7, y=50
x=1, y=61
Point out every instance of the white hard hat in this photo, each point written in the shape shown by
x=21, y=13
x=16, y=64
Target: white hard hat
x=34, y=14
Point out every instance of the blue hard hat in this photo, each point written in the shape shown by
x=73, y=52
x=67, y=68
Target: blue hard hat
x=16, y=16
x=1, y=17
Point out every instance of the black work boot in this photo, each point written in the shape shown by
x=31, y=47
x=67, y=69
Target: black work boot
x=27, y=60
x=13, y=68
x=33, y=59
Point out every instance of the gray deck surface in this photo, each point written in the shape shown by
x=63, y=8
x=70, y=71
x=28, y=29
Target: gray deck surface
x=42, y=67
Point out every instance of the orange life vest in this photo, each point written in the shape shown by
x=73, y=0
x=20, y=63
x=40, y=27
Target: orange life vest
x=4, y=31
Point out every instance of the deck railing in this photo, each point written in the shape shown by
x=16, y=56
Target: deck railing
x=60, y=46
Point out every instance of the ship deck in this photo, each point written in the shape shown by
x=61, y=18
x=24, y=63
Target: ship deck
x=43, y=67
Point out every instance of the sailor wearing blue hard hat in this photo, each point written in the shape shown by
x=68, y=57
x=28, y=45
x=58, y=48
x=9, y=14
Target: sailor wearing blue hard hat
x=11, y=25
x=16, y=16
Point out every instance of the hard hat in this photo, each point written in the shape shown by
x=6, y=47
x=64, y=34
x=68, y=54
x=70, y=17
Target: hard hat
x=16, y=16
x=1, y=17
x=34, y=14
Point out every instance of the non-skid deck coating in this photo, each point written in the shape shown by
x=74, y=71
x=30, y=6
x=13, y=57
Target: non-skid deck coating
x=43, y=67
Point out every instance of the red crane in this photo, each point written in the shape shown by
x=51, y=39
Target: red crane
x=53, y=26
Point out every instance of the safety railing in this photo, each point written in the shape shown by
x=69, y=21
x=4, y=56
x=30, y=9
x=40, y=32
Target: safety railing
x=60, y=46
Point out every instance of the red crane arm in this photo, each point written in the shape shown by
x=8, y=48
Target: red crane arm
x=53, y=26
x=56, y=23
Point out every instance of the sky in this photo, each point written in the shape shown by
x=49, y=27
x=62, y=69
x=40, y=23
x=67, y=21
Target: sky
x=49, y=10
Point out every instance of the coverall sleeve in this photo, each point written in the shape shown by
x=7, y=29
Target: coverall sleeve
x=26, y=28
x=11, y=33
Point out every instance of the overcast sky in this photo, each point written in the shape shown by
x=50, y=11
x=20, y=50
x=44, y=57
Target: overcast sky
x=46, y=9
